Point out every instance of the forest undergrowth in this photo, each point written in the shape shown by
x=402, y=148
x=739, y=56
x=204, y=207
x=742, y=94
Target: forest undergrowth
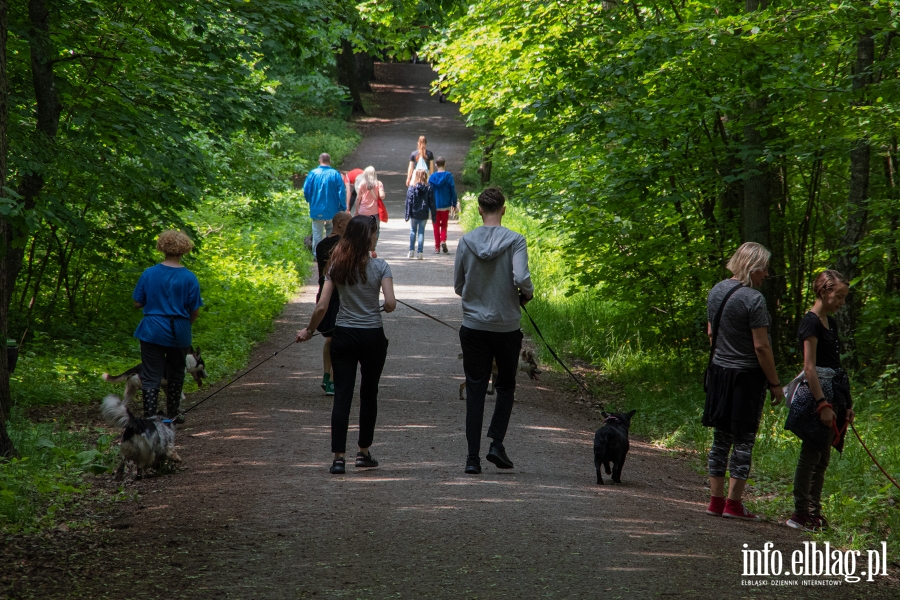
x=664, y=385
x=250, y=260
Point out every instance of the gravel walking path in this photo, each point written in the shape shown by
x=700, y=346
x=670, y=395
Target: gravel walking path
x=257, y=515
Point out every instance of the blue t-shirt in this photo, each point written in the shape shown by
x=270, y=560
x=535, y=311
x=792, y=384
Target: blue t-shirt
x=167, y=292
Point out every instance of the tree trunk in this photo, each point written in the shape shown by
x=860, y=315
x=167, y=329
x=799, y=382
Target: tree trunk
x=347, y=76
x=365, y=70
x=758, y=185
x=7, y=450
x=857, y=201
x=48, y=112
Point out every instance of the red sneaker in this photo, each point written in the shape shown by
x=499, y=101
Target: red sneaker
x=716, y=506
x=735, y=509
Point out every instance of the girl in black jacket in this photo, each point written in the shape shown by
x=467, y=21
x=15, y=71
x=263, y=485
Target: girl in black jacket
x=419, y=203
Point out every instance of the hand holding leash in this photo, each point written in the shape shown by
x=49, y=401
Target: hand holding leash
x=304, y=335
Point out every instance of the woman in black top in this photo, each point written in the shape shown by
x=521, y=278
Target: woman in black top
x=821, y=407
x=423, y=154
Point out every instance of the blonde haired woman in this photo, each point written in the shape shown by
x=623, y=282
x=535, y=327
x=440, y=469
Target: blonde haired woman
x=420, y=160
x=169, y=294
x=369, y=190
x=741, y=368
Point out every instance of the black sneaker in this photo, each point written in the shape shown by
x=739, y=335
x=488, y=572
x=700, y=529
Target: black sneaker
x=365, y=460
x=473, y=465
x=337, y=467
x=497, y=455
x=444, y=247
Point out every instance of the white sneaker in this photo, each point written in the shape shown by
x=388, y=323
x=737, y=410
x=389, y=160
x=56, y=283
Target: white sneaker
x=420, y=256
x=411, y=254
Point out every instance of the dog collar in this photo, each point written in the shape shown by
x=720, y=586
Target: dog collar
x=167, y=420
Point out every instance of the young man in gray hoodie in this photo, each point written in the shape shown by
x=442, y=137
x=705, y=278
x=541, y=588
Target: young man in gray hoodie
x=491, y=275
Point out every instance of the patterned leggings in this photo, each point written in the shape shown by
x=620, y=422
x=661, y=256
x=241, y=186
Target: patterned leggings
x=740, y=456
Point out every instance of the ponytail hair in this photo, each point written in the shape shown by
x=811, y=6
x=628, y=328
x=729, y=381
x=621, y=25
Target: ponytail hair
x=350, y=256
x=826, y=281
x=422, y=152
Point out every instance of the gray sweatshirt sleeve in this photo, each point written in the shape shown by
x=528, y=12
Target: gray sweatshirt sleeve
x=459, y=274
x=521, y=275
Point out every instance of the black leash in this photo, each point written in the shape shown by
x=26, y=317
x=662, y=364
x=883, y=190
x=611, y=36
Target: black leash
x=553, y=352
x=541, y=335
x=241, y=375
x=421, y=312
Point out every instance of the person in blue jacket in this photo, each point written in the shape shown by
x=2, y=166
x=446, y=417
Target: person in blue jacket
x=419, y=203
x=327, y=194
x=169, y=295
x=444, y=199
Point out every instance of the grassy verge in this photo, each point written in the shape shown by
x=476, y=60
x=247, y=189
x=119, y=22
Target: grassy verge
x=666, y=389
x=250, y=260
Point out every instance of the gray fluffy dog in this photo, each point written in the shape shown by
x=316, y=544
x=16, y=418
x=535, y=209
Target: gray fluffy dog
x=148, y=443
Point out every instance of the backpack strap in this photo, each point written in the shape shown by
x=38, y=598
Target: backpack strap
x=717, y=318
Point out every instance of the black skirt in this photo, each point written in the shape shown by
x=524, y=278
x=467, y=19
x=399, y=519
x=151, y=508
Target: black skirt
x=734, y=399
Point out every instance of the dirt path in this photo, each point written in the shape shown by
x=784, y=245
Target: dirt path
x=257, y=515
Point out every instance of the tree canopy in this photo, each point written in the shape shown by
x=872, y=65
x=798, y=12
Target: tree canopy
x=658, y=136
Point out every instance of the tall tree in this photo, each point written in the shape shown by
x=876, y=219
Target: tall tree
x=6, y=235
x=847, y=261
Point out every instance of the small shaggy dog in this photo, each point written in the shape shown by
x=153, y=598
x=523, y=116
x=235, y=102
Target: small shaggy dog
x=527, y=364
x=194, y=366
x=611, y=445
x=148, y=443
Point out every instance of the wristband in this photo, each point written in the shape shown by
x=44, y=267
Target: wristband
x=826, y=405
x=820, y=400
x=771, y=385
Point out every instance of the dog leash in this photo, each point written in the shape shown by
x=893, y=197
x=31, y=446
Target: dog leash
x=541, y=335
x=274, y=354
x=866, y=448
x=553, y=352
x=422, y=312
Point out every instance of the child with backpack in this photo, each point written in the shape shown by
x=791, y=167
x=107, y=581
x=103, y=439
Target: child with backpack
x=419, y=203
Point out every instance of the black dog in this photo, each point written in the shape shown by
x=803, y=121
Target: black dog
x=611, y=445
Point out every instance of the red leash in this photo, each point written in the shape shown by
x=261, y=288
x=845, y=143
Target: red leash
x=866, y=448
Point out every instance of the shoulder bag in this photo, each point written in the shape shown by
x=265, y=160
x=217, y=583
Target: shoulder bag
x=715, y=334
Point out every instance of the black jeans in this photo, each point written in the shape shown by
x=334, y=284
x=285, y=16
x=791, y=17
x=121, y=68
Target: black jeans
x=368, y=349
x=480, y=350
x=158, y=363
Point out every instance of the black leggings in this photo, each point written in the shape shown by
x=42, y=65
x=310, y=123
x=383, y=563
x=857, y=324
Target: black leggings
x=368, y=349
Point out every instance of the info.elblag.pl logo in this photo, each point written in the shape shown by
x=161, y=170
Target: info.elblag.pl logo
x=814, y=560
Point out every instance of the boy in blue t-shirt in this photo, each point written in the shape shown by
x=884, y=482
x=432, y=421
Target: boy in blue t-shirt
x=444, y=200
x=170, y=297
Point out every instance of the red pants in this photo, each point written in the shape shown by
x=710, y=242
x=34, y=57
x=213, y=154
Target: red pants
x=440, y=227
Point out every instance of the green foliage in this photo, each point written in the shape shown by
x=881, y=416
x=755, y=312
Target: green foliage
x=622, y=125
x=54, y=469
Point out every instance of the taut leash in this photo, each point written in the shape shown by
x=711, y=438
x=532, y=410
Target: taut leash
x=541, y=335
x=274, y=354
x=562, y=364
x=422, y=312
x=866, y=448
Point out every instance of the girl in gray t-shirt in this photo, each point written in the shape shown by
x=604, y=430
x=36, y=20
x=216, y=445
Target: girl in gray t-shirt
x=358, y=339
